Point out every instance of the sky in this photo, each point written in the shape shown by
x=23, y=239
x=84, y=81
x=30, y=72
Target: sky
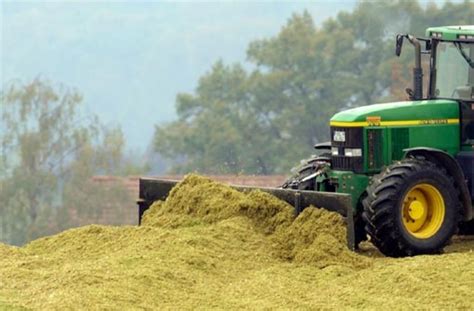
x=129, y=59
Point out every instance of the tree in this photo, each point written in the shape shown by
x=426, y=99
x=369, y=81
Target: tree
x=218, y=129
x=40, y=131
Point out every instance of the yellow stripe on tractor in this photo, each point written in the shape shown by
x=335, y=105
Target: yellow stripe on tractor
x=394, y=123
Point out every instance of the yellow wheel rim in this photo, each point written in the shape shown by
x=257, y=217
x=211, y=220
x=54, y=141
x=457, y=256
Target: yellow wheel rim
x=423, y=211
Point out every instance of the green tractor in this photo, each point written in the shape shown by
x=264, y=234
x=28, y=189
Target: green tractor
x=401, y=173
x=408, y=166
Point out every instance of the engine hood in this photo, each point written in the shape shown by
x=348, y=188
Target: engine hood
x=399, y=113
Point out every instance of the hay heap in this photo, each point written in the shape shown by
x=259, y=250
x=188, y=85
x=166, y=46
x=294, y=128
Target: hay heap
x=210, y=246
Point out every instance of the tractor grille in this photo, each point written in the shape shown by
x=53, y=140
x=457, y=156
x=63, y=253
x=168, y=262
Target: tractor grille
x=343, y=163
x=374, y=146
x=353, y=139
x=399, y=142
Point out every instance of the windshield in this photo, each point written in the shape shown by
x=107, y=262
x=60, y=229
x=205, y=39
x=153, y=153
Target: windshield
x=455, y=70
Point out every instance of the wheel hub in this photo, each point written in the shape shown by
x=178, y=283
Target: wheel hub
x=416, y=210
x=423, y=211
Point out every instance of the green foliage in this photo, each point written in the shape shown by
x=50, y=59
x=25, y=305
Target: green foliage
x=263, y=121
x=49, y=152
x=235, y=135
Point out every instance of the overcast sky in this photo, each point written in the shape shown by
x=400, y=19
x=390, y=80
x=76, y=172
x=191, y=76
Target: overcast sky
x=129, y=59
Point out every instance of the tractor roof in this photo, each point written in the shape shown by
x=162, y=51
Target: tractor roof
x=451, y=32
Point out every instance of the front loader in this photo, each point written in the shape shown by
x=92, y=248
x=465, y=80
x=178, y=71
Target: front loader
x=401, y=173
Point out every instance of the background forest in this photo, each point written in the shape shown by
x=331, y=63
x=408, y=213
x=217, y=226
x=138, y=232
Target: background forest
x=260, y=117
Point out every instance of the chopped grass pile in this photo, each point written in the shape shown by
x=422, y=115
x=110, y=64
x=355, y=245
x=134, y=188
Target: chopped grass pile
x=209, y=246
x=7, y=250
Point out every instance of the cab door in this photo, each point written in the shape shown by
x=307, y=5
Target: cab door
x=466, y=156
x=467, y=123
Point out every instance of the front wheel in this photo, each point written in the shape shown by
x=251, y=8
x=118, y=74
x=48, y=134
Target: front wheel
x=412, y=208
x=299, y=180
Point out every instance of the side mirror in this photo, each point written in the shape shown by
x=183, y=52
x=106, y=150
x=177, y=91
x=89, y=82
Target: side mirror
x=399, y=44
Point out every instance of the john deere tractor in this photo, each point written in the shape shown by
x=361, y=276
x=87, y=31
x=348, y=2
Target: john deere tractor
x=408, y=166
x=401, y=173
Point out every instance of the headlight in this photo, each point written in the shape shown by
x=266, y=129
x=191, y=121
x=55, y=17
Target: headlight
x=353, y=152
x=334, y=151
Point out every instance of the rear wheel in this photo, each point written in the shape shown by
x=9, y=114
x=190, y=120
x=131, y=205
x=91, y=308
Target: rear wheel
x=411, y=208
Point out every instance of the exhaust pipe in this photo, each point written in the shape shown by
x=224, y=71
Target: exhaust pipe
x=418, y=70
x=417, y=92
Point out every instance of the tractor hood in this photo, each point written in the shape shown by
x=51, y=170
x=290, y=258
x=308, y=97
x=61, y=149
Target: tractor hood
x=400, y=113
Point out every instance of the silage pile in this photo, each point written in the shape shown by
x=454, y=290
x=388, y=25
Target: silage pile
x=209, y=246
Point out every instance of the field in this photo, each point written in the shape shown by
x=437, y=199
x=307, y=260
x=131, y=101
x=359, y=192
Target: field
x=209, y=246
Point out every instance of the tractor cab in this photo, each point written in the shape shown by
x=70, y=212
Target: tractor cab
x=452, y=72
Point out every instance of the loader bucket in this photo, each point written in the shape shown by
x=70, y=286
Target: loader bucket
x=151, y=190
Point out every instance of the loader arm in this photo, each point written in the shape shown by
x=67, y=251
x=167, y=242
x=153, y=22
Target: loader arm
x=151, y=190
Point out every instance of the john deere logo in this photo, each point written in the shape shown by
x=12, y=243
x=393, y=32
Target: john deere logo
x=373, y=121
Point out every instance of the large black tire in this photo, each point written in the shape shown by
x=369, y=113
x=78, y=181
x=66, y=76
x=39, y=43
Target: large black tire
x=392, y=211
